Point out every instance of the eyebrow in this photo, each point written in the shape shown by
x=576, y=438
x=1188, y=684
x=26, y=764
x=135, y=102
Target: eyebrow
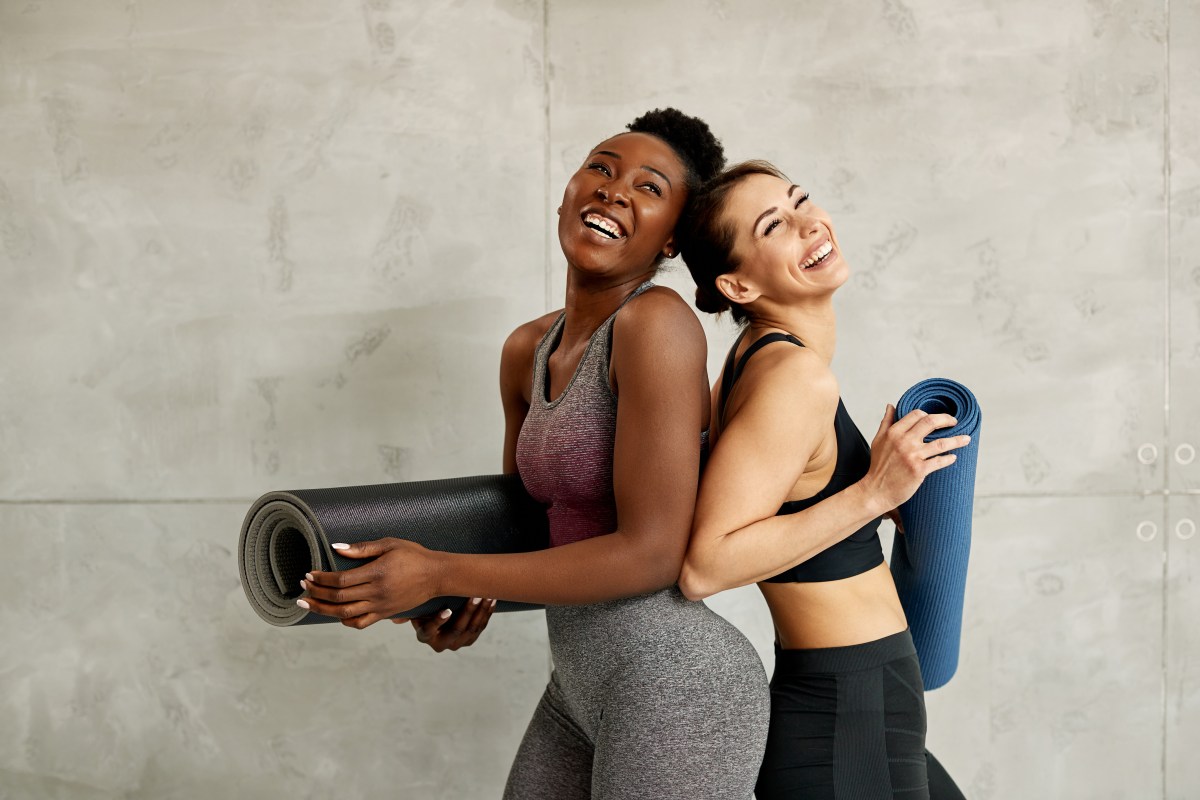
x=646, y=167
x=766, y=213
x=773, y=209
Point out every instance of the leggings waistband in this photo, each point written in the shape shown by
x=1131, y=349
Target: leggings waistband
x=850, y=658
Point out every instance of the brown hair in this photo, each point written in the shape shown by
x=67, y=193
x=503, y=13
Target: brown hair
x=706, y=238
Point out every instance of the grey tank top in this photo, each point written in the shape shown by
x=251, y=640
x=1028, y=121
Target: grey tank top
x=565, y=448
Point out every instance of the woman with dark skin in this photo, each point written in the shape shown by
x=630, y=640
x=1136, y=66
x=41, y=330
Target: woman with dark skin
x=788, y=467
x=605, y=404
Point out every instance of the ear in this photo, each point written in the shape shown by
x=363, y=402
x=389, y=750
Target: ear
x=736, y=289
x=669, y=250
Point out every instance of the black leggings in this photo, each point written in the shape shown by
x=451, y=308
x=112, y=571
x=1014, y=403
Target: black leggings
x=848, y=723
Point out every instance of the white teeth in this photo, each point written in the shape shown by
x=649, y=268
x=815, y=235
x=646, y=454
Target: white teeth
x=818, y=256
x=606, y=226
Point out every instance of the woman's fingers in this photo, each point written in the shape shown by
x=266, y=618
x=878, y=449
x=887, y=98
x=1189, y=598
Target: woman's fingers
x=447, y=632
x=939, y=462
x=918, y=421
x=344, y=579
x=342, y=611
x=361, y=591
x=370, y=549
x=479, y=611
x=889, y=419
x=939, y=446
x=427, y=628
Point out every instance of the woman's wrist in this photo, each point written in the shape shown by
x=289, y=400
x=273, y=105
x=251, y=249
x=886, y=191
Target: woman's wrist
x=439, y=574
x=872, y=503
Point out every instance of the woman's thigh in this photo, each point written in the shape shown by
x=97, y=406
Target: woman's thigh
x=857, y=735
x=685, y=737
x=554, y=761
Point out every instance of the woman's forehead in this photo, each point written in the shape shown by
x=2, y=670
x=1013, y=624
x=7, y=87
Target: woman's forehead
x=643, y=148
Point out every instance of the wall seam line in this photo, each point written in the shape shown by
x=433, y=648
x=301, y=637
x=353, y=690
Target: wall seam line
x=1166, y=512
x=547, y=299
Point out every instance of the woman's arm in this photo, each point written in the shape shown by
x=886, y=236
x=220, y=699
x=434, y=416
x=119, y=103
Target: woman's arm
x=658, y=360
x=792, y=398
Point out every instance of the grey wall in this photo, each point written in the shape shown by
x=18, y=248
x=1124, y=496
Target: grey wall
x=257, y=245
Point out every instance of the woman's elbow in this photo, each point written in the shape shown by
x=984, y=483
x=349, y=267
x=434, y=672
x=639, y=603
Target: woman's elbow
x=694, y=584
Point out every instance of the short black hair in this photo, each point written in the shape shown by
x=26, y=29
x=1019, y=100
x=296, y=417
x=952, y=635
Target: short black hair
x=693, y=141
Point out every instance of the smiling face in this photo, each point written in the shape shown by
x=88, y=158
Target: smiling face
x=784, y=244
x=620, y=207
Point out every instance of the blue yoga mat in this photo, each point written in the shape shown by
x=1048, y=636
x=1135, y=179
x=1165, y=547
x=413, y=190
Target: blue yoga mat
x=929, y=560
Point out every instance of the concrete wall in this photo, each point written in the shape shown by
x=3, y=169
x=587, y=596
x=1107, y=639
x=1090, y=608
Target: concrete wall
x=261, y=244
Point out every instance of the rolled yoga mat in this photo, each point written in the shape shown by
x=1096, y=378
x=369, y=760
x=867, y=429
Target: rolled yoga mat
x=929, y=560
x=286, y=534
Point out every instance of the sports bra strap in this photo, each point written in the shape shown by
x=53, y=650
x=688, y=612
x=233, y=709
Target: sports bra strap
x=729, y=378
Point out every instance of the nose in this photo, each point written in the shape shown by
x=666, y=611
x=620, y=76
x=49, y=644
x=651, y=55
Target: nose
x=611, y=193
x=808, y=225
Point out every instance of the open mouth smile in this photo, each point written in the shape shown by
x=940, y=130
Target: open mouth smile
x=603, y=225
x=819, y=256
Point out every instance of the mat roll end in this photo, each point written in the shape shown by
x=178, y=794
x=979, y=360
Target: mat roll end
x=286, y=534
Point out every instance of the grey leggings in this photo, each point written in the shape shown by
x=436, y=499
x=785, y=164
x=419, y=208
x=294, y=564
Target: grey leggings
x=651, y=697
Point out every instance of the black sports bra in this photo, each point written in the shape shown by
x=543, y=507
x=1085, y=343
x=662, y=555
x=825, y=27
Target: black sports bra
x=858, y=552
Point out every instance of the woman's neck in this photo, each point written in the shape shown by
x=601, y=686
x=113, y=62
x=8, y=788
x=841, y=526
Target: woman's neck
x=813, y=323
x=591, y=300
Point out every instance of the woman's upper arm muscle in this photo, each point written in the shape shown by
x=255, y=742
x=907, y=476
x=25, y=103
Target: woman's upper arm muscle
x=788, y=402
x=659, y=362
x=516, y=380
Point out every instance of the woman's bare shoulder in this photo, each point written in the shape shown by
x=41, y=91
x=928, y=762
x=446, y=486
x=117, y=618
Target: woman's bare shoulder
x=659, y=311
x=784, y=375
x=525, y=338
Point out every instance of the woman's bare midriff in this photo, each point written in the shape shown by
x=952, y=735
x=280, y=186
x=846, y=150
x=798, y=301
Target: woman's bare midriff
x=850, y=611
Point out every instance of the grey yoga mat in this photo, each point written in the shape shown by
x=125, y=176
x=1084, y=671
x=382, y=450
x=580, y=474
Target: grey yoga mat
x=929, y=560
x=286, y=534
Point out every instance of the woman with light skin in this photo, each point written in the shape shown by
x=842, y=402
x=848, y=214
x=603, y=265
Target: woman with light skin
x=605, y=405
x=789, y=474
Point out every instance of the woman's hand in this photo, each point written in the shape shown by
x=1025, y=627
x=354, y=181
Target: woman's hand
x=400, y=576
x=441, y=632
x=901, y=458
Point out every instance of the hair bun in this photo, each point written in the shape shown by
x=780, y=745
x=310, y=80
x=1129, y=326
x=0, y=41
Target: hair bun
x=711, y=302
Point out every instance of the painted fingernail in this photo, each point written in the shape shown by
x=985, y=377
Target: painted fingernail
x=308, y=576
x=303, y=604
x=445, y=613
x=340, y=546
x=475, y=600
x=304, y=585
x=493, y=604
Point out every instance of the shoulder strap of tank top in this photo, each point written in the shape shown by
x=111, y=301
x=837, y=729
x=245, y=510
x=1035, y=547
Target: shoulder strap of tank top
x=730, y=376
x=611, y=321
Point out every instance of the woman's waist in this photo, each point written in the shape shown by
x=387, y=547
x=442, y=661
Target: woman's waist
x=663, y=619
x=840, y=613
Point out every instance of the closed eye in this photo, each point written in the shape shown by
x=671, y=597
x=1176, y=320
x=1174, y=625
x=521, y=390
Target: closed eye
x=773, y=224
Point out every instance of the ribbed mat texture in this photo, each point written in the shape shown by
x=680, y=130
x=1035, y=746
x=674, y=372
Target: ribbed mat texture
x=929, y=561
x=286, y=534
